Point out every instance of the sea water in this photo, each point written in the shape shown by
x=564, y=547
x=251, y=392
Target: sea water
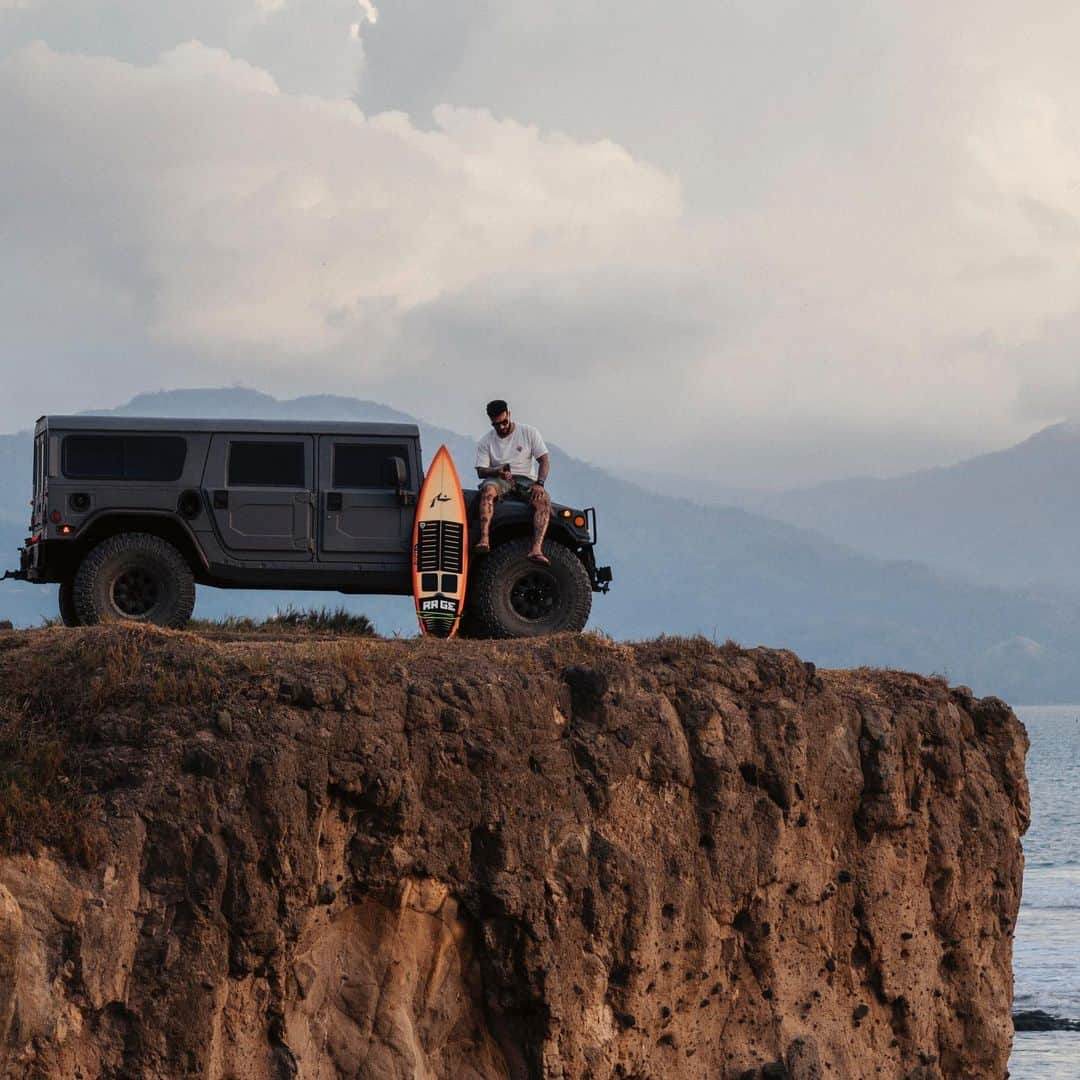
x=1046, y=951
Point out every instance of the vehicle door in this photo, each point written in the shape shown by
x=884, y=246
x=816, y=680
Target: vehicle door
x=362, y=510
x=261, y=492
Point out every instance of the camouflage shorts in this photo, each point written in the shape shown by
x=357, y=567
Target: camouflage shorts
x=519, y=486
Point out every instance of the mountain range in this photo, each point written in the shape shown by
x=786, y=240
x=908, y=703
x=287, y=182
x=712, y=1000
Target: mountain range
x=683, y=566
x=1009, y=518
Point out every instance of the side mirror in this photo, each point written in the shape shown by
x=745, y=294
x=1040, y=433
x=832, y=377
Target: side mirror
x=399, y=474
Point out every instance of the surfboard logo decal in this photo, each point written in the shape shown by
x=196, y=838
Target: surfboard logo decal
x=438, y=605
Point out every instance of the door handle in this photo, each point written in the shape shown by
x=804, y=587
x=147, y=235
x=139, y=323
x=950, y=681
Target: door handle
x=333, y=500
x=221, y=500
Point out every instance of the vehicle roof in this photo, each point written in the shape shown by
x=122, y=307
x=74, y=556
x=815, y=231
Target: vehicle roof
x=240, y=427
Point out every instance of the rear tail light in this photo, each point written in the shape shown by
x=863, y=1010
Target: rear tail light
x=66, y=530
x=56, y=517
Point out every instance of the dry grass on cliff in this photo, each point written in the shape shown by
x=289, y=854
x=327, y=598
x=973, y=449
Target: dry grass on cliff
x=62, y=689
x=39, y=803
x=883, y=686
x=54, y=683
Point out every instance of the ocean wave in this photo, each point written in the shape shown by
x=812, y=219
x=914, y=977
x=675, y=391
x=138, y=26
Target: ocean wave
x=1053, y=999
x=1062, y=1005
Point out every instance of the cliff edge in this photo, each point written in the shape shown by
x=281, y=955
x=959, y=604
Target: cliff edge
x=565, y=858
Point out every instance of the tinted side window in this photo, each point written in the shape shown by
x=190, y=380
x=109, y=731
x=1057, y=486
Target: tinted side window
x=158, y=458
x=94, y=456
x=367, y=465
x=267, y=464
x=154, y=457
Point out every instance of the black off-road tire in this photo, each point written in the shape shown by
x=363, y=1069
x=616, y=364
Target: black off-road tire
x=510, y=596
x=65, y=600
x=134, y=577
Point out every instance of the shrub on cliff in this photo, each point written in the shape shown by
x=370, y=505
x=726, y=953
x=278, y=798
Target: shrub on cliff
x=320, y=620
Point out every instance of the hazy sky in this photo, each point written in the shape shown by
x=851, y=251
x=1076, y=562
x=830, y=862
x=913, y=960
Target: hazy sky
x=776, y=239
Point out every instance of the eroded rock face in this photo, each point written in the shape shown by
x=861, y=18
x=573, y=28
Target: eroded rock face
x=558, y=859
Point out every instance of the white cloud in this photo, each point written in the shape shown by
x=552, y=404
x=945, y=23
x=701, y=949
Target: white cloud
x=761, y=228
x=307, y=46
x=193, y=203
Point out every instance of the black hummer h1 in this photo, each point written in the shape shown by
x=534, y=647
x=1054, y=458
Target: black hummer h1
x=129, y=514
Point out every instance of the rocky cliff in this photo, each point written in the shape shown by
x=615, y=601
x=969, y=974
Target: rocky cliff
x=563, y=859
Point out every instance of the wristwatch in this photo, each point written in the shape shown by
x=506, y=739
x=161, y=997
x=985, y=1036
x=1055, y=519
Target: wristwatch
x=538, y=483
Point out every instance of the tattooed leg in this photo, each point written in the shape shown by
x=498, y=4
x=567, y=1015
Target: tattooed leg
x=541, y=505
x=487, y=510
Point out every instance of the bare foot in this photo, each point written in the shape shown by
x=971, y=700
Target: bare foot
x=482, y=548
x=538, y=557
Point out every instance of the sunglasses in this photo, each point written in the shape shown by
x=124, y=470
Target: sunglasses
x=504, y=422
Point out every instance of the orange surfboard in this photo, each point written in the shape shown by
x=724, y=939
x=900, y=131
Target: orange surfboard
x=440, y=551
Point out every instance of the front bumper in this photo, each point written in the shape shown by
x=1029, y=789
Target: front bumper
x=599, y=576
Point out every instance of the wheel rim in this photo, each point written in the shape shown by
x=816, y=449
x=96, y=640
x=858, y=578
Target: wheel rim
x=534, y=595
x=136, y=592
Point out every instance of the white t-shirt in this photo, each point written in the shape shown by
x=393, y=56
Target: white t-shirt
x=518, y=450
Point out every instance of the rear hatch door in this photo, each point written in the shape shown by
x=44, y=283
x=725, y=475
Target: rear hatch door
x=41, y=472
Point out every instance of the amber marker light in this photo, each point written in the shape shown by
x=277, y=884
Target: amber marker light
x=579, y=521
x=55, y=517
